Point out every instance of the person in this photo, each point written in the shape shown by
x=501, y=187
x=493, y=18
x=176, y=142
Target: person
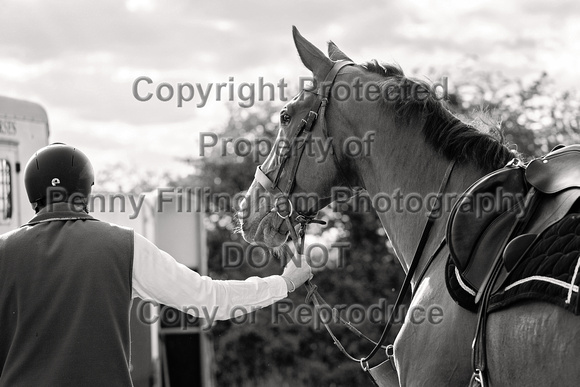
x=67, y=281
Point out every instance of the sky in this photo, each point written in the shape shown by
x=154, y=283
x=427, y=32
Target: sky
x=81, y=60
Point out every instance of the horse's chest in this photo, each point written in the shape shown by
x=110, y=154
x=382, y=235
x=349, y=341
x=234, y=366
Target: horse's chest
x=433, y=346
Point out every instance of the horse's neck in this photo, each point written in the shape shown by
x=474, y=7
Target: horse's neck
x=420, y=179
x=461, y=178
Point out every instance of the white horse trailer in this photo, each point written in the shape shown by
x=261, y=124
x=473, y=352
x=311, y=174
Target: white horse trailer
x=23, y=130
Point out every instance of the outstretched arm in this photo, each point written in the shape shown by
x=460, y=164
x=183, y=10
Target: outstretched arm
x=157, y=276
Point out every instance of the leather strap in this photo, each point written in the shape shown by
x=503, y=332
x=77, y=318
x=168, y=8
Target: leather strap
x=414, y=264
x=479, y=352
x=306, y=125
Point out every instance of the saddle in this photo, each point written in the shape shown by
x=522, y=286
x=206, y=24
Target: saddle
x=500, y=215
x=514, y=235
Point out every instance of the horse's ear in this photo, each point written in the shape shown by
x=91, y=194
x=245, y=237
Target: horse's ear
x=335, y=53
x=312, y=57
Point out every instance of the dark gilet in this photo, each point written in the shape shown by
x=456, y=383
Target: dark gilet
x=65, y=296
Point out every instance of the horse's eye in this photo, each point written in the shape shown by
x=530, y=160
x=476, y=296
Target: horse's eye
x=285, y=118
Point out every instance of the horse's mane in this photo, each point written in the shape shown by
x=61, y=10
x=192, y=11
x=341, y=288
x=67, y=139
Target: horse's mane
x=485, y=146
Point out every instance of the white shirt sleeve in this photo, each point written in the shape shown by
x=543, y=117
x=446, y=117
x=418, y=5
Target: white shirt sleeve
x=158, y=276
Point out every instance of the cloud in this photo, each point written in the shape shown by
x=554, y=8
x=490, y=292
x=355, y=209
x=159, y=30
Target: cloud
x=79, y=58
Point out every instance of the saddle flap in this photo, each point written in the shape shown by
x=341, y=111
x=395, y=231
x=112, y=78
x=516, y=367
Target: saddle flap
x=516, y=248
x=488, y=207
x=556, y=171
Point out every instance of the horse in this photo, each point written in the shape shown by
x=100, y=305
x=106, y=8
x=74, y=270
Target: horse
x=415, y=138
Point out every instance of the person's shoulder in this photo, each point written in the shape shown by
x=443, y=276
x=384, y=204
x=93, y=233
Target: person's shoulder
x=113, y=226
x=13, y=235
x=8, y=234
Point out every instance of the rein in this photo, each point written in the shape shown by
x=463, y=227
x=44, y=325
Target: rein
x=285, y=210
x=314, y=296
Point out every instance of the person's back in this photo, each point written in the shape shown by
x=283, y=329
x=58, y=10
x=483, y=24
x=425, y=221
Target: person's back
x=65, y=292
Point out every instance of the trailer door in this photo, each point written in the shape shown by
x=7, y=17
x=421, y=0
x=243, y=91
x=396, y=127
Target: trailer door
x=9, y=189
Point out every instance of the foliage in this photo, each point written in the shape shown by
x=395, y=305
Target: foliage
x=120, y=177
x=534, y=116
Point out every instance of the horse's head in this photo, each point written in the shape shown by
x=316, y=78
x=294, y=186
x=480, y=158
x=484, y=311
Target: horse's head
x=308, y=161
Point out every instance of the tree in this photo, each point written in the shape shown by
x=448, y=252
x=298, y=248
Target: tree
x=533, y=116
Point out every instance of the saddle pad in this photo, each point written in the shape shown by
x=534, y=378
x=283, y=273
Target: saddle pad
x=549, y=271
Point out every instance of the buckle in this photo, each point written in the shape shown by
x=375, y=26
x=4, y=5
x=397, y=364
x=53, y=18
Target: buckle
x=477, y=379
x=284, y=209
x=515, y=163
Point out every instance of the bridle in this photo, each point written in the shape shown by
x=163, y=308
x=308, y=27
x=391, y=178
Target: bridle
x=285, y=210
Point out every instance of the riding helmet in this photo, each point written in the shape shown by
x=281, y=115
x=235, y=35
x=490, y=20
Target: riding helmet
x=60, y=170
